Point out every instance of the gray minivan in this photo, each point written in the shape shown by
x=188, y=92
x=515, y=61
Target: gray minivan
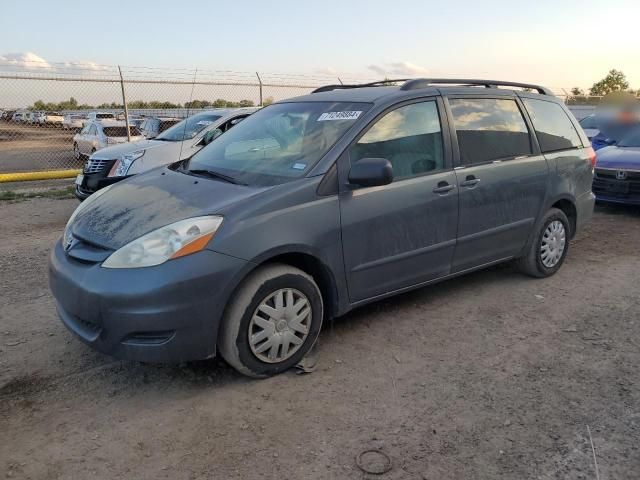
x=318, y=204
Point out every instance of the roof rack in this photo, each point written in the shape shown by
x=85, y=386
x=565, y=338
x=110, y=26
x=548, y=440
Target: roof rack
x=417, y=83
x=380, y=83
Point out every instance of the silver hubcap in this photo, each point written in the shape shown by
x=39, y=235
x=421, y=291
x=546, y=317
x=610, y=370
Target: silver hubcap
x=553, y=242
x=280, y=325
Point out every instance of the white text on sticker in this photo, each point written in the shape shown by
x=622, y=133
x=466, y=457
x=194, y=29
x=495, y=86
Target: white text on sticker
x=352, y=115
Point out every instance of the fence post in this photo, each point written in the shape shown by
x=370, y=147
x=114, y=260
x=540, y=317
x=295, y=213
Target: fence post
x=340, y=80
x=124, y=102
x=260, y=84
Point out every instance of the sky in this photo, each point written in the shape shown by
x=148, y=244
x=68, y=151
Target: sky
x=555, y=43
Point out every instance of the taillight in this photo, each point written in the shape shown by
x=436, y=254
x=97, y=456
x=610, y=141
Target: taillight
x=591, y=155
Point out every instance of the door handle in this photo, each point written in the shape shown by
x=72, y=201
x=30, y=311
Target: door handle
x=443, y=188
x=471, y=181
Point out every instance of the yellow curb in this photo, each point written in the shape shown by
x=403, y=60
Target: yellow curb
x=28, y=176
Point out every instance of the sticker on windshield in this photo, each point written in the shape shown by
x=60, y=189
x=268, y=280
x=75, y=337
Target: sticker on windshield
x=299, y=166
x=352, y=115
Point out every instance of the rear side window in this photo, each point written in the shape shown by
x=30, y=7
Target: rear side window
x=409, y=137
x=553, y=127
x=489, y=129
x=120, y=131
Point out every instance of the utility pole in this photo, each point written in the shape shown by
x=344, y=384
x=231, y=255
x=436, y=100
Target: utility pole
x=124, y=102
x=260, y=84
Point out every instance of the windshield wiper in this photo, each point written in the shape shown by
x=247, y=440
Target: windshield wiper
x=214, y=174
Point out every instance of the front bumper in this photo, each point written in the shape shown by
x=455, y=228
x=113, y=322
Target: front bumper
x=92, y=182
x=167, y=313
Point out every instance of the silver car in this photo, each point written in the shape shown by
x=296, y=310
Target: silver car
x=181, y=141
x=98, y=135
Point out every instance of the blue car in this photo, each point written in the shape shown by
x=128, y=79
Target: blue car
x=617, y=172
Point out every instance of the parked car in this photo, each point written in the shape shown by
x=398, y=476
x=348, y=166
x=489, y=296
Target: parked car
x=617, y=174
x=100, y=134
x=50, y=119
x=98, y=117
x=7, y=115
x=318, y=204
x=19, y=117
x=73, y=121
x=29, y=118
x=151, y=127
x=177, y=143
x=590, y=126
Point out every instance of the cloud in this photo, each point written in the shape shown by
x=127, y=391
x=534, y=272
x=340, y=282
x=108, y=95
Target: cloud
x=26, y=60
x=31, y=61
x=398, y=68
x=330, y=71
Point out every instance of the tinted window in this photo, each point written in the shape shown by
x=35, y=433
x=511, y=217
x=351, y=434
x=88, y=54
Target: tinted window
x=409, y=137
x=120, y=131
x=489, y=129
x=553, y=127
x=188, y=128
x=105, y=115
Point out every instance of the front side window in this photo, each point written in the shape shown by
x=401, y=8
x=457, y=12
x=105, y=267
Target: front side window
x=278, y=143
x=188, y=128
x=552, y=125
x=409, y=137
x=489, y=129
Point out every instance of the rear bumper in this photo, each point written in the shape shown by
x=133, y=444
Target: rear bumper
x=584, y=209
x=167, y=313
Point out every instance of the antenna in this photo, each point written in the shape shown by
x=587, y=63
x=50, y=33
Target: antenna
x=184, y=130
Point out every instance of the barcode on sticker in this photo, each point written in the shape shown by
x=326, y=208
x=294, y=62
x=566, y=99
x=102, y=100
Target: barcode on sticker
x=352, y=115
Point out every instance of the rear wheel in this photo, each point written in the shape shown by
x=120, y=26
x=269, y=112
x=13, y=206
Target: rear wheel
x=550, y=246
x=272, y=321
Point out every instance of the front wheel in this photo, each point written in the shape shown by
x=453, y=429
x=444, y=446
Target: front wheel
x=272, y=321
x=76, y=152
x=549, y=247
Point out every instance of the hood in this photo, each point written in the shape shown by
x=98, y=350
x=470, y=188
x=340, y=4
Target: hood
x=116, y=151
x=143, y=203
x=619, y=158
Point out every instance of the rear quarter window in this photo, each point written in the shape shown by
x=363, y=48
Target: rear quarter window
x=554, y=129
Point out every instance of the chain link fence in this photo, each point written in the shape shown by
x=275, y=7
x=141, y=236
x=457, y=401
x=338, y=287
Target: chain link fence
x=44, y=106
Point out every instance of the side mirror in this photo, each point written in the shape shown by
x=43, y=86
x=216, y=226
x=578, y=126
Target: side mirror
x=371, y=172
x=211, y=135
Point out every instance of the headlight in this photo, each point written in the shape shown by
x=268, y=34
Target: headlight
x=173, y=241
x=67, y=237
x=121, y=167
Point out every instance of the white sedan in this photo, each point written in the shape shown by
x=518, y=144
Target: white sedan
x=97, y=135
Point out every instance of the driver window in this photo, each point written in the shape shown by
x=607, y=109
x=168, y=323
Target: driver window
x=409, y=137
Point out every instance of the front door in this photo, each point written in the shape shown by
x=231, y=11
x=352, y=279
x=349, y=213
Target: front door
x=502, y=179
x=404, y=233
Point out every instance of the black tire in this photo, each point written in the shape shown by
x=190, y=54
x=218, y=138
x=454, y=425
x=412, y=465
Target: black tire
x=233, y=338
x=531, y=264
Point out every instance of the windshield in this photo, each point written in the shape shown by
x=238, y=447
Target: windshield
x=105, y=115
x=589, y=122
x=278, y=143
x=189, y=128
x=631, y=140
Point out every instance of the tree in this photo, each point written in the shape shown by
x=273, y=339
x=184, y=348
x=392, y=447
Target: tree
x=615, y=81
x=576, y=91
x=245, y=103
x=267, y=101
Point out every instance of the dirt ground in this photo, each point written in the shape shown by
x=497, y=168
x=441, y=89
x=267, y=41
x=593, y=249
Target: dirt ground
x=489, y=376
x=26, y=148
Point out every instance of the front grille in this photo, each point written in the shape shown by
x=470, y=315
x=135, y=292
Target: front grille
x=607, y=186
x=612, y=174
x=96, y=166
